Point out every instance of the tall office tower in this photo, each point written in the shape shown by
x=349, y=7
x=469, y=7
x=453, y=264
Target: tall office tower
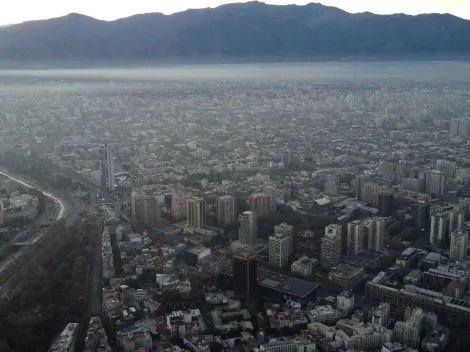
x=401, y=172
x=435, y=183
x=247, y=232
x=458, y=245
x=454, y=127
x=279, y=249
x=196, y=212
x=270, y=192
x=332, y=183
x=421, y=217
x=371, y=191
x=331, y=247
x=178, y=202
x=226, y=210
x=376, y=233
x=107, y=168
x=245, y=274
x=464, y=127
x=385, y=205
x=448, y=167
x=408, y=332
x=287, y=230
x=355, y=237
x=358, y=185
x=438, y=231
x=258, y=202
x=412, y=184
x=286, y=157
x=145, y=209
x=456, y=220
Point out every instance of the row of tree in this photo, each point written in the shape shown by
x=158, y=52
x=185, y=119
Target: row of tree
x=52, y=291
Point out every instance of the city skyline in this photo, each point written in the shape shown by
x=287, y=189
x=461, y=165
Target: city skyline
x=108, y=11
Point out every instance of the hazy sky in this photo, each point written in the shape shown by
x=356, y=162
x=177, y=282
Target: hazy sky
x=15, y=11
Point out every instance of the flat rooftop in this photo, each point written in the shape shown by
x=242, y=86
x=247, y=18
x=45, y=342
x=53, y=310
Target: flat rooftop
x=286, y=284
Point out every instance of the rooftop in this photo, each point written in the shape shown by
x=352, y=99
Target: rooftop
x=286, y=284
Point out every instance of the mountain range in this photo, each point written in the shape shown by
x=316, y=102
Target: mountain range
x=244, y=30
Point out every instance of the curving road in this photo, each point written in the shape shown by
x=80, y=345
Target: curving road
x=64, y=208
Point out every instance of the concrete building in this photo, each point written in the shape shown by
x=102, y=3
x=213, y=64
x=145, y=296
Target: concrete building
x=226, y=210
x=381, y=314
x=435, y=183
x=371, y=192
x=355, y=239
x=107, y=168
x=279, y=249
x=287, y=230
x=458, y=245
x=247, y=233
x=66, y=340
x=145, y=209
x=345, y=302
x=376, y=227
x=331, y=247
x=258, y=203
x=332, y=183
x=408, y=332
x=196, y=212
x=439, y=229
x=178, y=202
x=448, y=167
x=456, y=220
x=291, y=345
x=286, y=157
x=324, y=314
x=347, y=276
x=303, y=266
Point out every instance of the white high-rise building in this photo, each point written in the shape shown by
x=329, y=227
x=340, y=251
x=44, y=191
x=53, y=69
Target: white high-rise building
x=355, y=237
x=279, y=249
x=178, y=202
x=458, y=245
x=287, y=230
x=332, y=185
x=408, y=332
x=456, y=220
x=247, y=233
x=376, y=233
x=107, y=168
x=331, y=246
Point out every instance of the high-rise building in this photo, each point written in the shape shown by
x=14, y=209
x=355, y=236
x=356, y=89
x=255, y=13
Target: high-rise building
x=226, y=210
x=385, y=203
x=245, y=274
x=438, y=231
x=178, y=202
x=454, y=127
x=332, y=183
x=458, y=245
x=456, y=220
x=288, y=230
x=387, y=170
x=107, y=168
x=145, y=208
x=247, y=233
x=376, y=238
x=196, y=212
x=331, y=246
x=448, y=167
x=371, y=191
x=279, y=249
x=258, y=203
x=355, y=237
x=408, y=332
x=420, y=213
x=270, y=193
x=435, y=183
x=286, y=157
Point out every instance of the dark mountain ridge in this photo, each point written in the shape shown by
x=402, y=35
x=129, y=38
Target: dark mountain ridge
x=245, y=30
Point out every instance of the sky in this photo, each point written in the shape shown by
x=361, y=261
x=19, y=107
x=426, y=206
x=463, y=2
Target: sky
x=16, y=11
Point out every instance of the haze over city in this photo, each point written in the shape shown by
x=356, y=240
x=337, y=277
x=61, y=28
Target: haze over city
x=247, y=178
